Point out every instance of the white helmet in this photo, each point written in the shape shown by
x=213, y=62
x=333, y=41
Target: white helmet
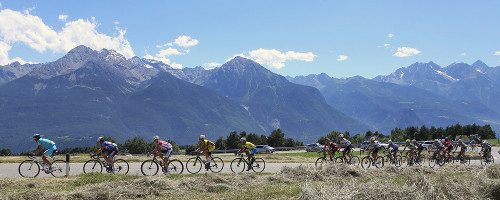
x=390, y=141
x=484, y=142
x=243, y=139
x=341, y=135
x=100, y=139
x=436, y=140
x=459, y=140
x=156, y=138
x=372, y=138
x=413, y=140
x=202, y=136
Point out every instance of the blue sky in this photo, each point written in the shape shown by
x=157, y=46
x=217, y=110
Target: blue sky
x=340, y=38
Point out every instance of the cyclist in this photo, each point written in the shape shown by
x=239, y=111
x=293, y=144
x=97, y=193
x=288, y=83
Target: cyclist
x=420, y=148
x=439, y=148
x=346, y=144
x=249, y=149
x=486, y=149
x=463, y=148
x=448, y=146
x=109, y=150
x=164, y=150
x=374, y=151
x=49, y=145
x=411, y=147
x=206, y=146
x=332, y=148
x=394, y=151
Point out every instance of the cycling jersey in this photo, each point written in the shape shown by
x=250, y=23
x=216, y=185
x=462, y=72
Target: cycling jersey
x=439, y=146
x=207, y=143
x=46, y=143
x=164, y=145
x=375, y=144
x=463, y=147
x=447, y=144
x=345, y=142
x=393, y=146
x=333, y=146
x=109, y=145
x=249, y=145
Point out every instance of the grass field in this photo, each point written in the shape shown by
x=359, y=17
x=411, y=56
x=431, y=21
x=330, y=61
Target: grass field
x=332, y=182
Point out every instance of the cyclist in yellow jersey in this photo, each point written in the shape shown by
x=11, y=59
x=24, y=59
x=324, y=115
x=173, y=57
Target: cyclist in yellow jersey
x=206, y=146
x=249, y=149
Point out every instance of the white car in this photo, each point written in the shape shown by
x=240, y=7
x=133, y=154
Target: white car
x=264, y=149
x=314, y=147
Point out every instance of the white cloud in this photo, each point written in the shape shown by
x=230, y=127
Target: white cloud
x=463, y=54
x=211, y=64
x=168, y=52
x=240, y=55
x=0, y=4
x=276, y=59
x=387, y=45
x=390, y=35
x=165, y=45
x=117, y=23
x=185, y=41
x=342, y=58
x=497, y=53
x=63, y=18
x=17, y=27
x=406, y=51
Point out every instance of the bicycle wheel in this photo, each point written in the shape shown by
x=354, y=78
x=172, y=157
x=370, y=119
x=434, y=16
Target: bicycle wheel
x=466, y=161
x=175, y=166
x=339, y=160
x=28, y=168
x=216, y=164
x=422, y=159
x=432, y=162
x=380, y=162
x=320, y=162
x=354, y=160
x=193, y=165
x=149, y=168
x=238, y=165
x=60, y=168
x=440, y=161
x=398, y=161
x=366, y=162
x=92, y=166
x=258, y=165
x=121, y=166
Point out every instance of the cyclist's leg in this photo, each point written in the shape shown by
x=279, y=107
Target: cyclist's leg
x=45, y=154
x=107, y=157
x=349, y=149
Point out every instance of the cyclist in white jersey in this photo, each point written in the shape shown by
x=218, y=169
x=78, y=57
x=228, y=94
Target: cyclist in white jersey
x=374, y=151
x=164, y=150
x=346, y=144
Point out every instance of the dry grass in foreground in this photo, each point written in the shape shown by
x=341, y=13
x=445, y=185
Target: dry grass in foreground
x=333, y=182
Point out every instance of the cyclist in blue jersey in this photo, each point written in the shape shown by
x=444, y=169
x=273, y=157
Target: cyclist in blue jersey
x=394, y=150
x=109, y=150
x=45, y=143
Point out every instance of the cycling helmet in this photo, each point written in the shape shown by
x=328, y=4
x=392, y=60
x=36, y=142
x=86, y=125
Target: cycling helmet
x=36, y=136
x=372, y=139
x=436, y=140
x=327, y=139
x=202, y=136
x=100, y=139
x=243, y=139
x=389, y=142
x=408, y=140
x=414, y=141
x=484, y=142
x=459, y=140
x=341, y=135
x=156, y=138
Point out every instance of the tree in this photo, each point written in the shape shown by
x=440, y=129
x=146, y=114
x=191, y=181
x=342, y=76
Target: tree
x=233, y=141
x=398, y=135
x=5, y=152
x=253, y=138
x=276, y=139
x=357, y=139
x=263, y=139
x=289, y=142
x=220, y=144
x=137, y=145
x=423, y=134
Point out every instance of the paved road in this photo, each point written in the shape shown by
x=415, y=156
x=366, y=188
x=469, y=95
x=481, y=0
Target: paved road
x=11, y=170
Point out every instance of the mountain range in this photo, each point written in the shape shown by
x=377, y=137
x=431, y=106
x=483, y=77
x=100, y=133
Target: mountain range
x=88, y=93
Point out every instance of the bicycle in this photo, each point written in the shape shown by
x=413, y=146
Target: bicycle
x=465, y=160
x=31, y=168
x=367, y=161
x=194, y=164
x=395, y=161
x=434, y=160
x=95, y=165
x=344, y=159
x=413, y=160
x=485, y=161
x=151, y=167
x=238, y=164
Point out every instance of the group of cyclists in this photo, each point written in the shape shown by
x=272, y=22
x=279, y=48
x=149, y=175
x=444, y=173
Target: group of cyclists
x=443, y=147
x=163, y=149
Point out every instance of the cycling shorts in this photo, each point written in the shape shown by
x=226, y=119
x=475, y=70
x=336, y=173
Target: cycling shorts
x=50, y=151
x=375, y=149
x=166, y=152
x=111, y=152
x=252, y=151
x=347, y=149
x=394, y=151
x=449, y=148
x=211, y=148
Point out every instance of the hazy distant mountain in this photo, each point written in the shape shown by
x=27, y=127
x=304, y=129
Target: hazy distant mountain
x=274, y=102
x=14, y=71
x=385, y=106
x=458, y=81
